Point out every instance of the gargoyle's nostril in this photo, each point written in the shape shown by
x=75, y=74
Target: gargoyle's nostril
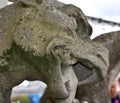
x=101, y=58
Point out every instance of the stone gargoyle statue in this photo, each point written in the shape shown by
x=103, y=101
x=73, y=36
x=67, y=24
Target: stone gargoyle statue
x=44, y=40
x=99, y=92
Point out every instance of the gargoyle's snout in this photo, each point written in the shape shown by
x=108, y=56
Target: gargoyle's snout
x=92, y=56
x=92, y=65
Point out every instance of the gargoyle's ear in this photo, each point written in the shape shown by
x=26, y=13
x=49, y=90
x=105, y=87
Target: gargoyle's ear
x=31, y=2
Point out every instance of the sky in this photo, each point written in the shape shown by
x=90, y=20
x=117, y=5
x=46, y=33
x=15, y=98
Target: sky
x=3, y=3
x=106, y=9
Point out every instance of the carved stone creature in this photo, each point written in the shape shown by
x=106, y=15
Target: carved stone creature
x=44, y=40
x=99, y=92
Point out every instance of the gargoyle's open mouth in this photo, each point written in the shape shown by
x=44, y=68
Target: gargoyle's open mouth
x=86, y=74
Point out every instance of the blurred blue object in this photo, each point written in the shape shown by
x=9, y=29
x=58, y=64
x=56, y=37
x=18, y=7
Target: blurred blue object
x=35, y=98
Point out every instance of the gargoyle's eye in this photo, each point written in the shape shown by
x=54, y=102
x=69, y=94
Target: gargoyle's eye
x=81, y=71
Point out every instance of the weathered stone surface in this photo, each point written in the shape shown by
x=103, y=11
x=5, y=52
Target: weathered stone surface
x=44, y=40
x=99, y=93
x=112, y=42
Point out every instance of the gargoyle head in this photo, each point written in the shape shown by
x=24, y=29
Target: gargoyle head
x=54, y=36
